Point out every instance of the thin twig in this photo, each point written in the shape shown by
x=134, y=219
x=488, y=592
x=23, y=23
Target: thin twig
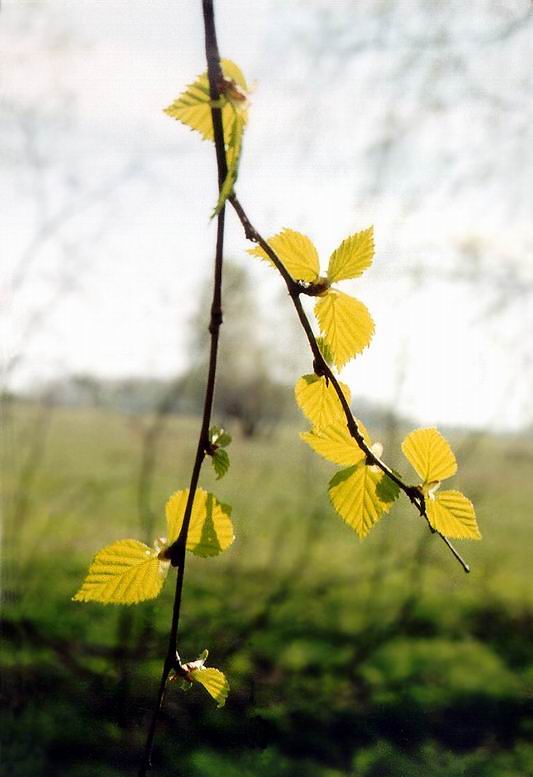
x=176, y=552
x=321, y=367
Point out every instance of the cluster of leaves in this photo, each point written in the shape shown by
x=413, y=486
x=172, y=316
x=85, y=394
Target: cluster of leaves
x=362, y=492
x=345, y=323
x=212, y=679
x=448, y=512
x=193, y=108
x=129, y=571
x=219, y=439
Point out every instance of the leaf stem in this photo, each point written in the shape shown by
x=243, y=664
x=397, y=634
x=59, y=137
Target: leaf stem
x=177, y=550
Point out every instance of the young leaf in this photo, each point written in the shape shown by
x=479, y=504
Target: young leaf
x=200, y=661
x=233, y=155
x=325, y=350
x=352, y=257
x=193, y=107
x=430, y=454
x=297, y=253
x=214, y=682
x=318, y=400
x=220, y=461
x=335, y=444
x=353, y=493
x=125, y=572
x=219, y=436
x=452, y=514
x=345, y=323
x=210, y=529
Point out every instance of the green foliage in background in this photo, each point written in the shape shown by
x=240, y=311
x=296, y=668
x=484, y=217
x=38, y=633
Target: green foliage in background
x=356, y=659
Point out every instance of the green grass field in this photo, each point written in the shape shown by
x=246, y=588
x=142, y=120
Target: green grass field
x=371, y=659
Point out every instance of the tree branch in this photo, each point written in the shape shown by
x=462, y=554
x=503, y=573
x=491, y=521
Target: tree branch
x=319, y=363
x=176, y=551
x=321, y=367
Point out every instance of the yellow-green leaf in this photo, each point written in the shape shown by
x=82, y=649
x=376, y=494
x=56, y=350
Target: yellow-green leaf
x=214, y=681
x=345, y=323
x=125, y=572
x=336, y=444
x=210, y=529
x=297, y=253
x=193, y=106
x=233, y=154
x=318, y=400
x=325, y=350
x=352, y=257
x=452, y=514
x=430, y=454
x=353, y=493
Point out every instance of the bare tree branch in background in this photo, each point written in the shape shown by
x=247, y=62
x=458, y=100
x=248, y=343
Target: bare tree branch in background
x=448, y=97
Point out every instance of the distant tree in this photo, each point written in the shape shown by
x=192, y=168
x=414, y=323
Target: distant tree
x=246, y=392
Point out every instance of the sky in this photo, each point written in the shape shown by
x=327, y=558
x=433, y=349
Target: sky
x=414, y=117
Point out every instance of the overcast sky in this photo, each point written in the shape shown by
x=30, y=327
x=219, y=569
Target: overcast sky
x=416, y=121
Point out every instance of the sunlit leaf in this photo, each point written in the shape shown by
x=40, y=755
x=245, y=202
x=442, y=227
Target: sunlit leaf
x=297, y=253
x=452, y=514
x=125, y=572
x=430, y=454
x=318, y=400
x=210, y=529
x=220, y=461
x=336, y=444
x=345, y=323
x=353, y=493
x=213, y=681
x=352, y=257
x=193, y=106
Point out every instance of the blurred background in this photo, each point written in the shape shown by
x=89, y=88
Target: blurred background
x=374, y=659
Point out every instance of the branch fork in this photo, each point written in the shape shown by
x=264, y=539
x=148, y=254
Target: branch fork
x=218, y=85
